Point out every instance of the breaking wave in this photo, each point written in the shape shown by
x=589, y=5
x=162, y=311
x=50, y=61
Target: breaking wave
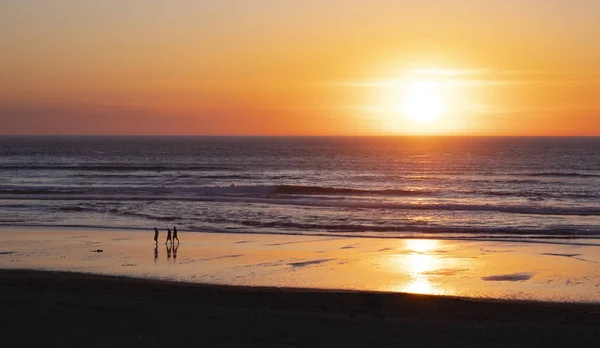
x=560, y=174
x=204, y=190
x=286, y=195
x=112, y=167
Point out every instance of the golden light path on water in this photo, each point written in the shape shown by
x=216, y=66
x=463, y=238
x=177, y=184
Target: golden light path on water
x=421, y=263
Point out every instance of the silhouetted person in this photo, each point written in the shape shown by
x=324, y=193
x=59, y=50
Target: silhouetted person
x=168, y=251
x=175, y=235
x=168, y=235
x=156, y=235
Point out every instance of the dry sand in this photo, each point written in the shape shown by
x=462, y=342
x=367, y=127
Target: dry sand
x=52, y=309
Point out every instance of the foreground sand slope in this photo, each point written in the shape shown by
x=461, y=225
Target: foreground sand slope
x=50, y=309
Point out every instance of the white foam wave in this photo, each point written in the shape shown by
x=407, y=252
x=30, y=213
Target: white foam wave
x=265, y=195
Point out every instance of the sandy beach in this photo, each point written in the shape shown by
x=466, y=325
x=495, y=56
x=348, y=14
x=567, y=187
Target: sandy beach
x=74, y=310
x=85, y=287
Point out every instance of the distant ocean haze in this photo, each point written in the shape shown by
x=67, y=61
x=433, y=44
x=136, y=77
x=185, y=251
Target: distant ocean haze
x=470, y=187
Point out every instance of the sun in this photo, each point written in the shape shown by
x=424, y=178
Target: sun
x=423, y=102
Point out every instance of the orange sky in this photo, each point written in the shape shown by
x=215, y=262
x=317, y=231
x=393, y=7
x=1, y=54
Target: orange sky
x=297, y=67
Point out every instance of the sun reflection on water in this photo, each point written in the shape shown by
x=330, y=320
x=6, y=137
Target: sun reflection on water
x=421, y=245
x=421, y=260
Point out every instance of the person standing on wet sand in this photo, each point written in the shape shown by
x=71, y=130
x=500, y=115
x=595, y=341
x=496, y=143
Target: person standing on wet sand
x=156, y=235
x=168, y=235
x=175, y=234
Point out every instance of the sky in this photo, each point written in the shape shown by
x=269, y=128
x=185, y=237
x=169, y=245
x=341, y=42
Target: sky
x=299, y=67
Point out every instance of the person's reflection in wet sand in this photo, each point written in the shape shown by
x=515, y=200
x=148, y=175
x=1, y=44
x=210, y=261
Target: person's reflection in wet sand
x=156, y=254
x=175, y=247
x=168, y=246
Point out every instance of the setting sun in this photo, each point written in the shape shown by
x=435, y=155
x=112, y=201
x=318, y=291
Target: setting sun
x=331, y=168
x=422, y=102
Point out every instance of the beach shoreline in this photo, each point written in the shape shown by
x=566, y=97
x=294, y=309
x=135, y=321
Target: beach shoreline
x=454, y=268
x=74, y=309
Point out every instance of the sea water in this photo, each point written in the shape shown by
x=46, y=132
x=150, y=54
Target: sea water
x=447, y=187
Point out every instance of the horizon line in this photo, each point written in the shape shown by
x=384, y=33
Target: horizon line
x=304, y=135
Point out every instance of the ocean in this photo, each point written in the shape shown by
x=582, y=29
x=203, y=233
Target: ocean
x=444, y=187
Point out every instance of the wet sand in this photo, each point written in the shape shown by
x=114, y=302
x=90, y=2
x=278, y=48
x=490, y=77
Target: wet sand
x=568, y=272
x=41, y=309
